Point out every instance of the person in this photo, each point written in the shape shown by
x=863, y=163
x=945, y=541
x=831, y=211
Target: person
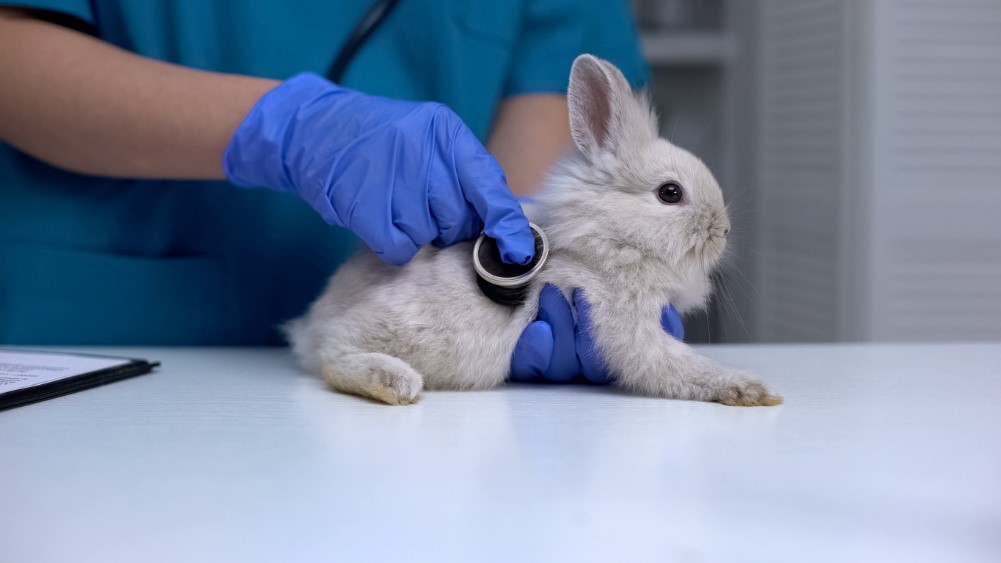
x=129, y=128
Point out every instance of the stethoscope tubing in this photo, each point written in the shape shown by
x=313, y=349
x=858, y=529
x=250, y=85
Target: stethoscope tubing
x=362, y=31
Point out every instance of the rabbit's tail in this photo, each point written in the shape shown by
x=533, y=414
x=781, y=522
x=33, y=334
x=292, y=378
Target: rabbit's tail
x=300, y=338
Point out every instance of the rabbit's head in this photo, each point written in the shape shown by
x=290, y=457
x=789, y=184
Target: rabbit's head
x=629, y=200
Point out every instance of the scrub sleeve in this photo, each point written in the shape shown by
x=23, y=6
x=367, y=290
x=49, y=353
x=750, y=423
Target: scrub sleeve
x=554, y=33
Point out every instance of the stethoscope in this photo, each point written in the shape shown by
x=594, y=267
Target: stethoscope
x=505, y=284
x=364, y=29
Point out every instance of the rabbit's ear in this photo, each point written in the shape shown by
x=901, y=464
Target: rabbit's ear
x=598, y=97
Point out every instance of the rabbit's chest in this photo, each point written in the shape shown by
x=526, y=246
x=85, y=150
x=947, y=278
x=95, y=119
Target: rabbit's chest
x=639, y=285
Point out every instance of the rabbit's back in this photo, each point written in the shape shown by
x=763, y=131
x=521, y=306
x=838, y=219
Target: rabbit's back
x=430, y=314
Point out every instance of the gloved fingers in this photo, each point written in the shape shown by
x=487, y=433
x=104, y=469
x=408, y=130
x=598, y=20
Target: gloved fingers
x=363, y=195
x=403, y=165
x=555, y=311
x=532, y=353
x=377, y=231
x=592, y=366
x=393, y=246
x=459, y=233
x=670, y=320
x=325, y=207
x=485, y=187
x=410, y=215
x=455, y=217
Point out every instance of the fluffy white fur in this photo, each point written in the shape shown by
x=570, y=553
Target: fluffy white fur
x=388, y=332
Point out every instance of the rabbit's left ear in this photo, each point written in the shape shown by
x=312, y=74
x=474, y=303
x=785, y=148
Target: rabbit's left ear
x=600, y=100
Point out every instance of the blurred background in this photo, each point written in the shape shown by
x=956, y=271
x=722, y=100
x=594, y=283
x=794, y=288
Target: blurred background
x=859, y=145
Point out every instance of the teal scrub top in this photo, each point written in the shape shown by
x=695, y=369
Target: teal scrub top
x=89, y=260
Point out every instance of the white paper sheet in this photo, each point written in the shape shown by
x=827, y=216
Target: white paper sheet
x=21, y=369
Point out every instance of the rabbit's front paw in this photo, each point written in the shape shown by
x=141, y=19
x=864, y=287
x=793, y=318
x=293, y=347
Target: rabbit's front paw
x=395, y=386
x=376, y=376
x=740, y=389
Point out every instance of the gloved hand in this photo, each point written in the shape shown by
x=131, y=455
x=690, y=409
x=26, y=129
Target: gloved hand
x=398, y=174
x=555, y=349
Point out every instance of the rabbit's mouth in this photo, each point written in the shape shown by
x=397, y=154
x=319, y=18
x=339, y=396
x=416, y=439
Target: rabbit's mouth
x=708, y=249
x=712, y=238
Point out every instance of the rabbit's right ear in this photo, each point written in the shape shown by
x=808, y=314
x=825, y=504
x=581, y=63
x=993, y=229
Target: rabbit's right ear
x=599, y=99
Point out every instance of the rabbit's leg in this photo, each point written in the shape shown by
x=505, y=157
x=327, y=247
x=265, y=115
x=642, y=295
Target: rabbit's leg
x=377, y=376
x=669, y=368
x=648, y=361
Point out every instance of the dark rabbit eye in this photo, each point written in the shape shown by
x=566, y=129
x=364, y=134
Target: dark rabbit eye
x=669, y=193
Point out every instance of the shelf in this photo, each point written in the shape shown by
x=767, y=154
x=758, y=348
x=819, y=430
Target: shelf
x=678, y=47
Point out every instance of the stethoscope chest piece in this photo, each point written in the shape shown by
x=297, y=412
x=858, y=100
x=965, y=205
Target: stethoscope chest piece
x=507, y=284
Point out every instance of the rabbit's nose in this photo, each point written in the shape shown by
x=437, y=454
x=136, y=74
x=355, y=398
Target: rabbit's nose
x=726, y=231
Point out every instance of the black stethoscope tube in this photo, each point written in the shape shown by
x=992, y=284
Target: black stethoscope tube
x=364, y=29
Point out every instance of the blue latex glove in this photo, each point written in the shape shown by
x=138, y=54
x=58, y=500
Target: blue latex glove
x=555, y=349
x=398, y=174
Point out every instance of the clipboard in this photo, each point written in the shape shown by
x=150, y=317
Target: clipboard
x=29, y=376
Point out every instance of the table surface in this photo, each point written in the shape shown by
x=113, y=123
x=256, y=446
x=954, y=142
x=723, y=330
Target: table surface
x=880, y=453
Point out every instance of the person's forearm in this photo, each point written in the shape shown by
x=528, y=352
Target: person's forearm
x=84, y=105
x=530, y=133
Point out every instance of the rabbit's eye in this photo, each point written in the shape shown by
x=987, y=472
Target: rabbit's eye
x=669, y=193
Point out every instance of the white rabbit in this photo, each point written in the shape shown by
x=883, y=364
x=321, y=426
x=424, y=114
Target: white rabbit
x=615, y=231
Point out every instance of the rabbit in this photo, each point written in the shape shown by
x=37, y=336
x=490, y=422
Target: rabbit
x=632, y=220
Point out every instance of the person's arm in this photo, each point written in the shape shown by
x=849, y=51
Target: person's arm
x=530, y=133
x=81, y=104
